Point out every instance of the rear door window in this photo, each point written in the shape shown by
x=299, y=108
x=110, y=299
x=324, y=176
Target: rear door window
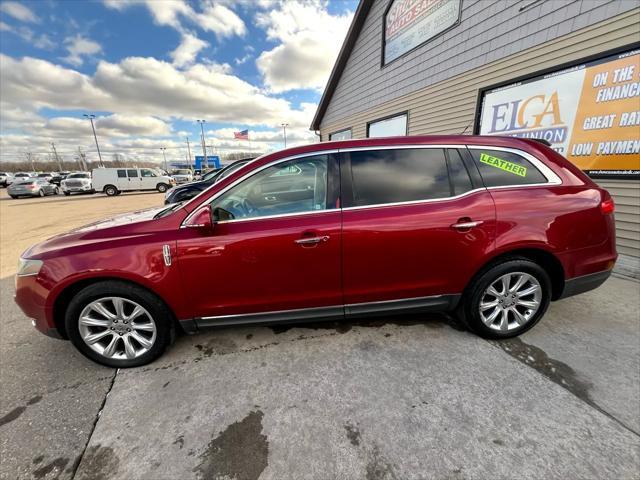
x=402, y=175
x=460, y=180
x=132, y=172
x=499, y=168
x=122, y=174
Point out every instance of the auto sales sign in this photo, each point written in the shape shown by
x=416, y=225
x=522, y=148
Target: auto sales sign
x=410, y=23
x=590, y=113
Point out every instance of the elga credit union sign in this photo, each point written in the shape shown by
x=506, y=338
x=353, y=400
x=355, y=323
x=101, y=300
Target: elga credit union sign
x=590, y=113
x=409, y=23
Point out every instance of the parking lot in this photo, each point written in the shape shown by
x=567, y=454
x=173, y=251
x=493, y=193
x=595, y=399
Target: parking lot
x=406, y=397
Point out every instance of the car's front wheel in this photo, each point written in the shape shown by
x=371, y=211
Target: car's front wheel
x=118, y=324
x=162, y=187
x=507, y=299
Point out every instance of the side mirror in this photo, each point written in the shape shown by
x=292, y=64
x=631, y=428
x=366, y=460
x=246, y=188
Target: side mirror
x=201, y=219
x=222, y=215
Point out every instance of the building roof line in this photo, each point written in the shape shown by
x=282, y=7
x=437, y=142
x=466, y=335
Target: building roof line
x=352, y=34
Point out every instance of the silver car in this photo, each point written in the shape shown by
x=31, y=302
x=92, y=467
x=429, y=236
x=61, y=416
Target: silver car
x=32, y=188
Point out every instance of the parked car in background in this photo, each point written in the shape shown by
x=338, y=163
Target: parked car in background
x=6, y=179
x=48, y=176
x=79, y=182
x=64, y=174
x=491, y=228
x=56, y=178
x=24, y=175
x=182, y=175
x=114, y=181
x=187, y=191
x=32, y=187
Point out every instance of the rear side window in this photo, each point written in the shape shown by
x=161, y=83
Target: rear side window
x=403, y=175
x=499, y=168
x=460, y=180
x=122, y=174
x=132, y=172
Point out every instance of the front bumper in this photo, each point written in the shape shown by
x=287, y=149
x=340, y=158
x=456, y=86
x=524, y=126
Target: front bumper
x=31, y=298
x=83, y=188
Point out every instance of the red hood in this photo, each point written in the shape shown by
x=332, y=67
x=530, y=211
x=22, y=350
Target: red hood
x=134, y=224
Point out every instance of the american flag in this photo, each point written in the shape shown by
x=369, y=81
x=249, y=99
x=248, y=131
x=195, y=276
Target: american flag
x=243, y=135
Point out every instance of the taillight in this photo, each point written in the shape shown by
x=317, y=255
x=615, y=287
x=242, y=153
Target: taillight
x=607, y=206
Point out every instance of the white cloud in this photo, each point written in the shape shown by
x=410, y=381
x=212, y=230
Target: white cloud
x=144, y=94
x=188, y=50
x=310, y=39
x=42, y=41
x=214, y=17
x=221, y=20
x=18, y=11
x=79, y=47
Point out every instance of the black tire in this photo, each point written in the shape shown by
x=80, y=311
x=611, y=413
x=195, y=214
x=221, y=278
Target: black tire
x=41, y=193
x=162, y=187
x=13, y=196
x=468, y=310
x=156, y=308
x=56, y=191
x=110, y=190
x=67, y=193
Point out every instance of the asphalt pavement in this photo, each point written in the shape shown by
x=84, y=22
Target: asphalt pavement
x=410, y=397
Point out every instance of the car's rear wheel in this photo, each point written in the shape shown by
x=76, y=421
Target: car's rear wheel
x=110, y=190
x=507, y=299
x=13, y=196
x=67, y=193
x=118, y=324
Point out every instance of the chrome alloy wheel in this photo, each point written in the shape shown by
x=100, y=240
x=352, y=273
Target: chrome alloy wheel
x=117, y=328
x=510, y=301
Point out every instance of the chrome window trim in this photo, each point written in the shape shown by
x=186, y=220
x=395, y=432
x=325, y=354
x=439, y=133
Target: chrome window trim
x=282, y=215
x=550, y=175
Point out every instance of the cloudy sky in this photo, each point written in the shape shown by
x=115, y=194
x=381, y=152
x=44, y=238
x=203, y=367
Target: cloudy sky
x=149, y=68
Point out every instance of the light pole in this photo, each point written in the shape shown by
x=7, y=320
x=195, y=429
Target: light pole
x=91, y=117
x=164, y=149
x=204, y=147
x=284, y=133
x=189, y=151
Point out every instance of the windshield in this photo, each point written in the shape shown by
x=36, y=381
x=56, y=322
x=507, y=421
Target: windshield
x=182, y=172
x=78, y=175
x=42, y=175
x=21, y=175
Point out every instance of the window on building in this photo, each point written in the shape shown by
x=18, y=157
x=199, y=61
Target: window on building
x=460, y=180
x=388, y=127
x=341, y=135
x=500, y=168
x=403, y=175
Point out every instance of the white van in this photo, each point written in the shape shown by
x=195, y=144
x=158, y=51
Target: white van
x=114, y=181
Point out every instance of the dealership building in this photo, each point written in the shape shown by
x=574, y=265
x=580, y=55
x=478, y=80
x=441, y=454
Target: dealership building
x=567, y=71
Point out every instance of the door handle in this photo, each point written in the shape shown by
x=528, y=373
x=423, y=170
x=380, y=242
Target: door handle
x=312, y=240
x=466, y=225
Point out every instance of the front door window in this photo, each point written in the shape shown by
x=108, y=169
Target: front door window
x=295, y=186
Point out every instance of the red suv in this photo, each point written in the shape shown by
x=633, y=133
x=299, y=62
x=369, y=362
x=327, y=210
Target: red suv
x=491, y=228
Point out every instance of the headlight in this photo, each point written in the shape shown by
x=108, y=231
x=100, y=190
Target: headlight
x=27, y=267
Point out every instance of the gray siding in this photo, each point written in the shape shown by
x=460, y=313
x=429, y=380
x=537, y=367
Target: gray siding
x=489, y=30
